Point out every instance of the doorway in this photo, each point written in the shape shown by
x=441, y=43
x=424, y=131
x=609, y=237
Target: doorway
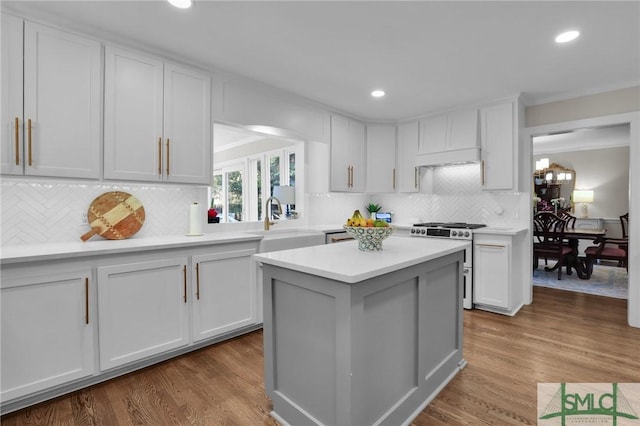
x=633, y=120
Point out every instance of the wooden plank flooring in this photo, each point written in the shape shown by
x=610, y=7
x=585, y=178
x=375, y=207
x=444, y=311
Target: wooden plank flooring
x=562, y=337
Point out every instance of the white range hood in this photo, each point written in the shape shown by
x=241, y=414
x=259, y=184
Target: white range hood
x=468, y=155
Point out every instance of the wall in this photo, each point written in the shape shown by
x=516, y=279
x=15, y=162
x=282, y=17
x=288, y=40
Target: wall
x=597, y=105
x=606, y=171
x=49, y=211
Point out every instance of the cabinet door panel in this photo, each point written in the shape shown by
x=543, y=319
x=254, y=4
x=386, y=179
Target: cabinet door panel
x=406, y=170
x=142, y=310
x=339, y=153
x=187, y=125
x=11, y=156
x=132, y=116
x=433, y=134
x=62, y=98
x=357, y=151
x=498, y=146
x=225, y=297
x=381, y=156
x=46, y=340
x=492, y=274
x=463, y=130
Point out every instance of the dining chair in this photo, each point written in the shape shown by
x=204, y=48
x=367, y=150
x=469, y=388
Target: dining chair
x=624, y=224
x=567, y=217
x=607, y=249
x=548, y=231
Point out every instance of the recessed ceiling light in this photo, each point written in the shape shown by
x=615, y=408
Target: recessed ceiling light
x=182, y=4
x=377, y=93
x=567, y=36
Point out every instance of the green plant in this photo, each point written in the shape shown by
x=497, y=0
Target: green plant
x=373, y=208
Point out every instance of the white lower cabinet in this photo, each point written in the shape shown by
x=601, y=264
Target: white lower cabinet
x=224, y=296
x=47, y=329
x=492, y=269
x=143, y=309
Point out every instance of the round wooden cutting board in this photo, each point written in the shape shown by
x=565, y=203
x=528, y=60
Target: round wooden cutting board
x=114, y=215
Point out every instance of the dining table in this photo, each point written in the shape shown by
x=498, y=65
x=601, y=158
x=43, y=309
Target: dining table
x=574, y=260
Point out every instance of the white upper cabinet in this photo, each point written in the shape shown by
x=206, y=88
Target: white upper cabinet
x=407, y=173
x=187, y=125
x=499, y=136
x=381, y=157
x=348, y=143
x=56, y=131
x=157, y=120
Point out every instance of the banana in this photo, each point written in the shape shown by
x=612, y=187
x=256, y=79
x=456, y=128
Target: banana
x=356, y=219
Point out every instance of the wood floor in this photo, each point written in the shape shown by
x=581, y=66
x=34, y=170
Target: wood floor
x=562, y=337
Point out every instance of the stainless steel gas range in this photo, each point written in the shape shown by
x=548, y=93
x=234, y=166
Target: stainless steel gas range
x=458, y=231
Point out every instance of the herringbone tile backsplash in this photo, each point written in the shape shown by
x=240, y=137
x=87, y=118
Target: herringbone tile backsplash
x=40, y=211
x=47, y=211
x=456, y=196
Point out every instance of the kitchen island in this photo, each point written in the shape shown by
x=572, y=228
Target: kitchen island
x=361, y=338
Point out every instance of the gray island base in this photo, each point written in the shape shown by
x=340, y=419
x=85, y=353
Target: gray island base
x=361, y=338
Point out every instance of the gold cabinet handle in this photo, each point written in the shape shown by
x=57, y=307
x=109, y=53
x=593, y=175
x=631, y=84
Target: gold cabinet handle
x=17, y=134
x=197, y=281
x=168, y=141
x=351, y=176
x=184, y=271
x=490, y=245
x=348, y=176
x=159, y=156
x=86, y=300
x=29, y=141
x=394, y=178
x=415, y=177
x=482, y=167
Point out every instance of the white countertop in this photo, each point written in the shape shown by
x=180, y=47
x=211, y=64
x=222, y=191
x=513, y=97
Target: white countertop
x=501, y=230
x=344, y=262
x=53, y=251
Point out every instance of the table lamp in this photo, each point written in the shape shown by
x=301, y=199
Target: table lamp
x=286, y=195
x=583, y=196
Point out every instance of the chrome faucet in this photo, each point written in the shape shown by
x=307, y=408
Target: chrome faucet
x=267, y=206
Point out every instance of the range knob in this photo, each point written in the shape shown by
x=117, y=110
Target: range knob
x=454, y=233
x=466, y=234
x=423, y=231
x=413, y=231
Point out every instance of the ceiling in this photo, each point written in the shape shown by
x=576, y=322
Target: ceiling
x=427, y=55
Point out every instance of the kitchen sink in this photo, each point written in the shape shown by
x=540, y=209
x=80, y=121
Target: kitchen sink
x=285, y=239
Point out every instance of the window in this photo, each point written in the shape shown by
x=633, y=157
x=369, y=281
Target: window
x=227, y=191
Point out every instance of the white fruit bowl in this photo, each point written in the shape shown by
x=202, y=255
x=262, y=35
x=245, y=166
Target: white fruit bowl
x=369, y=238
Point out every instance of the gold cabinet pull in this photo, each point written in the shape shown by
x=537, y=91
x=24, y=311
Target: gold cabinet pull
x=168, y=141
x=159, y=156
x=184, y=271
x=86, y=300
x=415, y=177
x=198, y=281
x=482, y=171
x=490, y=245
x=17, y=134
x=29, y=141
x=394, y=178
x=351, y=176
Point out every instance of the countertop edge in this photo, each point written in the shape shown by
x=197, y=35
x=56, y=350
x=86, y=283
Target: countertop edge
x=63, y=251
x=274, y=259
